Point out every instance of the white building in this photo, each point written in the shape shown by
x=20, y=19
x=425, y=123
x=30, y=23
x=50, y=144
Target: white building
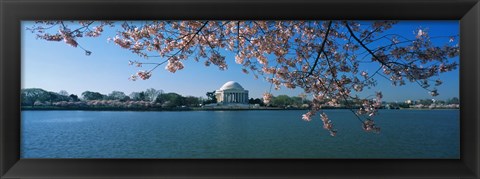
x=232, y=92
x=409, y=102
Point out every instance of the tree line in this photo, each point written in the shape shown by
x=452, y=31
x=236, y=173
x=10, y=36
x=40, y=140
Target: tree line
x=285, y=101
x=35, y=97
x=149, y=98
x=453, y=102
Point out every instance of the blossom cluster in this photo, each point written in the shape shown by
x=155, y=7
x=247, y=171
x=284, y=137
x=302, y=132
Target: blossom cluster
x=327, y=124
x=105, y=103
x=267, y=97
x=69, y=32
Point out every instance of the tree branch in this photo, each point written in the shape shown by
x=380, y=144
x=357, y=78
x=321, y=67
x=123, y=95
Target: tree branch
x=183, y=48
x=320, y=51
x=375, y=56
x=342, y=91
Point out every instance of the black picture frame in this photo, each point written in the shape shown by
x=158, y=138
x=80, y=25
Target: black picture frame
x=14, y=11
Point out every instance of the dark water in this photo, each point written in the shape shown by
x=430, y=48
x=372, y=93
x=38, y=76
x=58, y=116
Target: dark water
x=236, y=134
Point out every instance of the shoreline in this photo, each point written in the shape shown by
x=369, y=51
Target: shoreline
x=150, y=109
x=23, y=108
x=428, y=109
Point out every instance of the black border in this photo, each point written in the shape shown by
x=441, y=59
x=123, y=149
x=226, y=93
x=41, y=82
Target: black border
x=13, y=11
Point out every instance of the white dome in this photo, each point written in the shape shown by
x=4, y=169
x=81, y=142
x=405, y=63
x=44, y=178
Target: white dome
x=231, y=85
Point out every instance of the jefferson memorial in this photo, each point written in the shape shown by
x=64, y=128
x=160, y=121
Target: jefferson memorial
x=232, y=92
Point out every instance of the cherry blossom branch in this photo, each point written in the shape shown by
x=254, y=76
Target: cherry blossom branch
x=368, y=35
x=342, y=93
x=320, y=51
x=238, y=37
x=376, y=57
x=146, y=74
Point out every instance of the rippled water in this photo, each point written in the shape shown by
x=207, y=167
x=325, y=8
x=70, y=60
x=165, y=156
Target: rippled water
x=236, y=134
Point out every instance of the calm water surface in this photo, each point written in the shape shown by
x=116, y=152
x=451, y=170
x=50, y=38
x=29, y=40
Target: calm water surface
x=236, y=134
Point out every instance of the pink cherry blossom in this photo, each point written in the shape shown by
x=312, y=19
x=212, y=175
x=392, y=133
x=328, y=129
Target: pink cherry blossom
x=144, y=75
x=267, y=97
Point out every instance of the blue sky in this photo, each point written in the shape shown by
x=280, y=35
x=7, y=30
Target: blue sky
x=56, y=66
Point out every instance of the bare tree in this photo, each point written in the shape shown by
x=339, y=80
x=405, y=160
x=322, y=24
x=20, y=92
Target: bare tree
x=152, y=94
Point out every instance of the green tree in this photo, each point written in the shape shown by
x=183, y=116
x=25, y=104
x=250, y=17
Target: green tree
x=256, y=101
x=161, y=98
x=31, y=95
x=74, y=98
x=297, y=101
x=282, y=101
x=453, y=100
x=89, y=95
x=404, y=105
x=170, y=100
x=117, y=95
x=211, y=98
x=425, y=101
x=192, y=101
x=55, y=97
x=138, y=96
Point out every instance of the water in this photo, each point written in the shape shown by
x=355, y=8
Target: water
x=236, y=134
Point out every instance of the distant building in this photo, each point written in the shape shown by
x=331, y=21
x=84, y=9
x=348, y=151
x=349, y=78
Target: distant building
x=232, y=93
x=408, y=102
